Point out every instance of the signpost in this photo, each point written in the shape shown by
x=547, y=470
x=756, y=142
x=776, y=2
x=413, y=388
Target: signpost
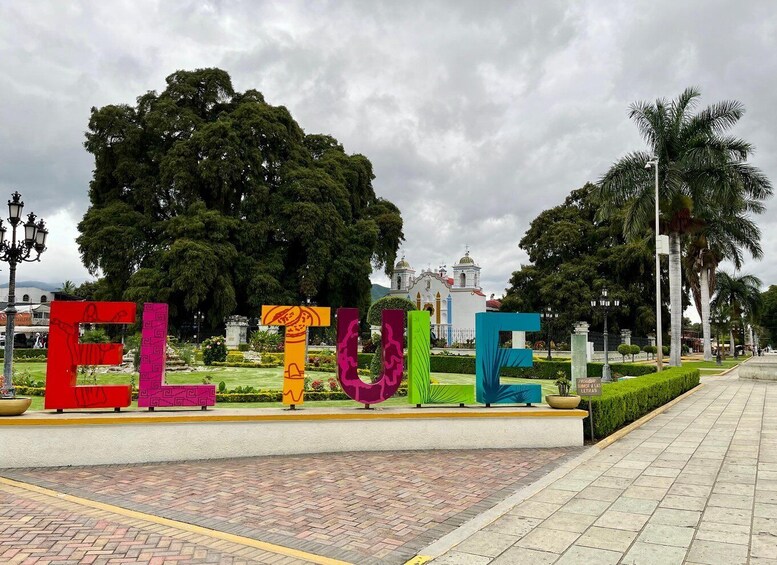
x=591, y=386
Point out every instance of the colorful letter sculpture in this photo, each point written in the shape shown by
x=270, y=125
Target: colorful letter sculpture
x=420, y=388
x=392, y=329
x=297, y=319
x=153, y=392
x=66, y=353
x=490, y=358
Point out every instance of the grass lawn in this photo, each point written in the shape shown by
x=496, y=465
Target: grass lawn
x=261, y=379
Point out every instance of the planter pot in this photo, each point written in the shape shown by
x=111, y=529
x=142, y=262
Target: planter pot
x=563, y=402
x=14, y=406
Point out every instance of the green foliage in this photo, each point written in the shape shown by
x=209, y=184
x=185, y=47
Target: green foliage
x=210, y=199
x=768, y=317
x=563, y=383
x=97, y=335
x=624, y=349
x=541, y=369
x=214, y=349
x=572, y=256
x=388, y=303
x=266, y=341
x=634, y=350
x=628, y=400
x=245, y=364
x=233, y=357
x=27, y=353
x=242, y=347
x=222, y=387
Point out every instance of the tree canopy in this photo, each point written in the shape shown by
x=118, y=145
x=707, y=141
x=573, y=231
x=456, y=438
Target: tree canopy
x=574, y=255
x=214, y=200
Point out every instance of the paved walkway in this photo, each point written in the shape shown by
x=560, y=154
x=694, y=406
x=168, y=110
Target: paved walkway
x=696, y=484
x=355, y=507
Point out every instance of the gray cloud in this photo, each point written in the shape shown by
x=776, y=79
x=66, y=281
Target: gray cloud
x=476, y=115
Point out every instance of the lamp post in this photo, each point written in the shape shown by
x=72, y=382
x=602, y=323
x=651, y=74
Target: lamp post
x=14, y=252
x=549, y=316
x=659, y=348
x=199, y=317
x=604, y=304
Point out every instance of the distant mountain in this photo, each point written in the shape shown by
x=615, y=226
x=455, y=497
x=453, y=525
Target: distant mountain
x=35, y=284
x=379, y=291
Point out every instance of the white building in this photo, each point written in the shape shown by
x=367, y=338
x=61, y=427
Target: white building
x=451, y=301
x=27, y=295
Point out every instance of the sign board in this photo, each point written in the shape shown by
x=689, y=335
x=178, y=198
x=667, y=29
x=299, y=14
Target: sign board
x=662, y=244
x=591, y=386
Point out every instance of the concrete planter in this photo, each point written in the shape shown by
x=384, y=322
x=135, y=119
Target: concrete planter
x=14, y=406
x=562, y=402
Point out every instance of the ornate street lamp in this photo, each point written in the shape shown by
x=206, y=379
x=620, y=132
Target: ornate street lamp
x=549, y=316
x=14, y=252
x=604, y=304
x=199, y=317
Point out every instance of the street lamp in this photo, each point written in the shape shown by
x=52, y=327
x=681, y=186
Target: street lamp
x=199, y=317
x=604, y=304
x=14, y=252
x=659, y=349
x=549, y=316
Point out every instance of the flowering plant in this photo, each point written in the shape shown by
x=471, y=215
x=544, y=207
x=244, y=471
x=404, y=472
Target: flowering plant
x=214, y=349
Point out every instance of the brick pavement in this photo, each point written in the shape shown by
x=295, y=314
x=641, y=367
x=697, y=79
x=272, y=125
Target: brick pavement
x=696, y=484
x=39, y=529
x=358, y=507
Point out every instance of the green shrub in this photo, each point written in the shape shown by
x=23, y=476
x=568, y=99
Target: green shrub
x=266, y=341
x=245, y=365
x=628, y=400
x=235, y=357
x=214, y=349
x=243, y=347
x=97, y=335
x=26, y=353
x=624, y=349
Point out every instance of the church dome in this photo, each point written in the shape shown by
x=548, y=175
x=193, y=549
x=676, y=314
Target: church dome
x=466, y=260
x=402, y=264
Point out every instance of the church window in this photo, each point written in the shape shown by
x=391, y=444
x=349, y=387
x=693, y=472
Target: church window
x=463, y=279
x=399, y=283
x=26, y=298
x=43, y=299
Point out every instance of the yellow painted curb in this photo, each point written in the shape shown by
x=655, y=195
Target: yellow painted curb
x=141, y=418
x=612, y=438
x=419, y=560
x=232, y=538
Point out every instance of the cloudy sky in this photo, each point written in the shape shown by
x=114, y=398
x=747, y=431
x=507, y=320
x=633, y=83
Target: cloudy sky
x=476, y=115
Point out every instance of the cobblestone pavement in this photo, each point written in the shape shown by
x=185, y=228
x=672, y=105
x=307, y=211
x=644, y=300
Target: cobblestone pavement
x=357, y=507
x=696, y=484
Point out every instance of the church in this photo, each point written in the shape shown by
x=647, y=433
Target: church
x=451, y=301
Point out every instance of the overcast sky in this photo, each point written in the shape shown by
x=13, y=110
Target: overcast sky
x=476, y=115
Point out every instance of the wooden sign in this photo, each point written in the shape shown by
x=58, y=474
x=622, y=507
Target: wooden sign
x=591, y=386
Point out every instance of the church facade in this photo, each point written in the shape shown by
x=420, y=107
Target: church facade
x=451, y=301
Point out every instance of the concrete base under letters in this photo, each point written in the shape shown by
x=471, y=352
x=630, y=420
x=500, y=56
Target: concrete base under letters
x=48, y=439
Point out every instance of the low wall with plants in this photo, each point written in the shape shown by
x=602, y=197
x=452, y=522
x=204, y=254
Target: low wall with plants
x=628, y=400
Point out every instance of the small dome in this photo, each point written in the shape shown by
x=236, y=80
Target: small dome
x=466, y=259
x=402, y=264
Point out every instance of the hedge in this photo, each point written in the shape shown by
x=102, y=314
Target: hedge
x=465, y=364
x=244, y=365
x=26, y=353
x=628, y=400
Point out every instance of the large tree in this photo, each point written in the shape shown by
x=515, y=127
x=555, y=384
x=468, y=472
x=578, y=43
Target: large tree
x=740, y=296
x=724, y=234
x=700, y=167
x=573, y=255
x=214, y=200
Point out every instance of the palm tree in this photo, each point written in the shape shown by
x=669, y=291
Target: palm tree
x=68, y=287
x=723, y=235
x=741, y=295
x=700, y=169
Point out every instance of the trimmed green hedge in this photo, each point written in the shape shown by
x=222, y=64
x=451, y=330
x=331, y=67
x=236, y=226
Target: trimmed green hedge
x=628, y=400
x=27, y=353
x=465, y=364
x=245, y=365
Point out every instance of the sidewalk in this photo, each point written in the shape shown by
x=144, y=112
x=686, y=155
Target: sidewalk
x=697, y=485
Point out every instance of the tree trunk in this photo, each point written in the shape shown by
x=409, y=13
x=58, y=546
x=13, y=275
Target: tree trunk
x=704, y=284
x=731, y=337
x=675, y=299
